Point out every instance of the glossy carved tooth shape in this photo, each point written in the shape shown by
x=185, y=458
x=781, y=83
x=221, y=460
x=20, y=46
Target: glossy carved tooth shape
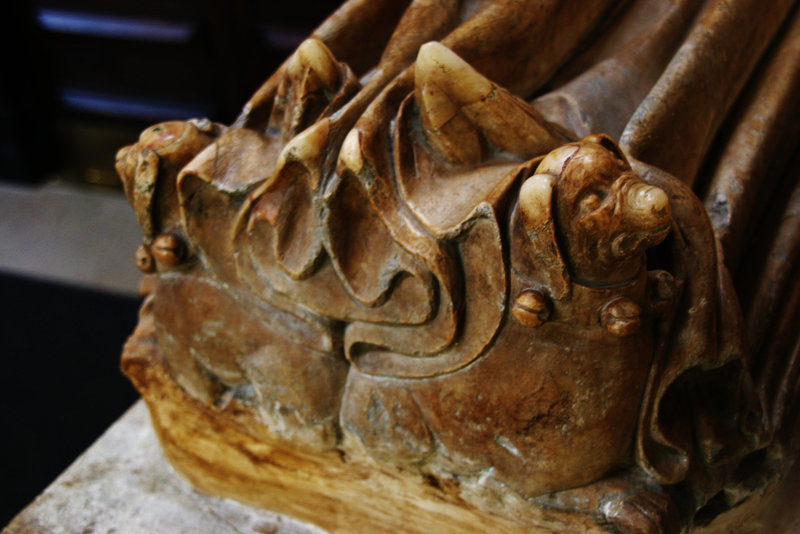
x=311, y=81
x=350, y=156
x=307, y=150
x=460, y=109
x=451, y=134
x=314, y=61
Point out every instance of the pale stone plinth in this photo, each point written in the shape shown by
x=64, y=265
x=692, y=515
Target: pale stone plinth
x=123, y=485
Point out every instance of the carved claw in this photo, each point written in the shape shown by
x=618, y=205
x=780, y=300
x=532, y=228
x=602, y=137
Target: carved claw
x=461, y=109
x=351, y=158
x=313, y=84
x=451, y=134
x=306, y=149
x=315, y=62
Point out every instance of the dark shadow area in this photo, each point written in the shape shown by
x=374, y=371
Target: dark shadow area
x=60, y=386
x=81, y=78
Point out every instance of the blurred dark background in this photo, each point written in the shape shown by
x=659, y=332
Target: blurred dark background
x=80, y=79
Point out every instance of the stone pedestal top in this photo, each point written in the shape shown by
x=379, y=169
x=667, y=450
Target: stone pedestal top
x=123, y=485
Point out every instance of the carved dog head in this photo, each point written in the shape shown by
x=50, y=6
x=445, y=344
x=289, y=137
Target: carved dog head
x=605, y=215
x=158, y=156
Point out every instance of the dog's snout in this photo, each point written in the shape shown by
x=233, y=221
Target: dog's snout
x=646, y=205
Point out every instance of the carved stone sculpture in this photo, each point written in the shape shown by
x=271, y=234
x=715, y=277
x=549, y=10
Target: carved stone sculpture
x=419, y=286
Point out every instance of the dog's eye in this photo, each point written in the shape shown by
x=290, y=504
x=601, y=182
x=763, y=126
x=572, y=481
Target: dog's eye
x=591, y=200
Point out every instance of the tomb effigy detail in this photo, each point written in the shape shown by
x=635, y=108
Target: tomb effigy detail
x=453, y=268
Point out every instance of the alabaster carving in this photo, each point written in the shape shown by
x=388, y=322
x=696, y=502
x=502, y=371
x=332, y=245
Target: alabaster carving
x=448, y=271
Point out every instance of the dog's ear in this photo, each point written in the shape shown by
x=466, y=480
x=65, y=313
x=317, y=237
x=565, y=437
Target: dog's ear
x=536, y=201
x=143, y=190
x=536, y=211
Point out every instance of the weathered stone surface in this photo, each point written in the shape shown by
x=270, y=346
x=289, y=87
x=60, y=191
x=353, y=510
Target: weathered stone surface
x=123, y=485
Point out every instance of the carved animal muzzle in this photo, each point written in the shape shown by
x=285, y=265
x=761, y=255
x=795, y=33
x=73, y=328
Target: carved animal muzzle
x=644, y=217
x=606, y=215
x=148, y=170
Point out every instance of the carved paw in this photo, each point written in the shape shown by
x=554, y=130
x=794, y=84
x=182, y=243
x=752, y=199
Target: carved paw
x=645, y=512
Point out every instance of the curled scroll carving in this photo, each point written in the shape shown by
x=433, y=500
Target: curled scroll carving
x=405, y=261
